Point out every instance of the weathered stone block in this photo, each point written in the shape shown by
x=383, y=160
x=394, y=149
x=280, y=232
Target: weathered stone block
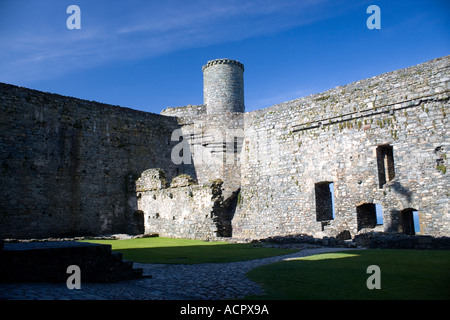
x=151, y=179
x=182, y=180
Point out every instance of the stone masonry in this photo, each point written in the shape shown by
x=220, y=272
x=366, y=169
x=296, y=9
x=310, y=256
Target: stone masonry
x=339, y=136
x=68, y=166
x=321, y=165
x=182, y=209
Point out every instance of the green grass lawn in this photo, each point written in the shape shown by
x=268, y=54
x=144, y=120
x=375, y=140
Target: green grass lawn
x=405, y=274
x=183, y=251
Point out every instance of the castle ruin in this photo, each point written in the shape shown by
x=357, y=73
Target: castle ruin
x=370, y=155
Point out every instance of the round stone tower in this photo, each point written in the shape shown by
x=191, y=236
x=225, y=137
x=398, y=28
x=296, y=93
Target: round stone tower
x=223, y=86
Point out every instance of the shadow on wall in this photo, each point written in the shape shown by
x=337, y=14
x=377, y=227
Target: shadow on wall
x=69, y=175
x=228, y=211
x=183, y=208
x=135, y=216
x=400, y=189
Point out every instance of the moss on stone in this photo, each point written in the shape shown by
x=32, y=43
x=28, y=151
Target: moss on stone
x=442, y=168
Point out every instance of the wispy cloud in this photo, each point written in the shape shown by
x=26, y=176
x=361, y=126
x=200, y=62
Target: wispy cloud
x=45, y=48
x=269, y=98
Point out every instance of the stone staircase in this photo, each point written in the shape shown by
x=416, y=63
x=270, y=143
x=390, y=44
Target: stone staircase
x=47, y=261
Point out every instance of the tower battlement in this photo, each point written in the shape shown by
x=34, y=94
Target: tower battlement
x=222, y=61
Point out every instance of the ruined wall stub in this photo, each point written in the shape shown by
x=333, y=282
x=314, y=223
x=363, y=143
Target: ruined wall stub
x=181, y=209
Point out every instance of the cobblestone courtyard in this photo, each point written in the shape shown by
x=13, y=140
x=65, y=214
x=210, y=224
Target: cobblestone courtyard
x=209, y=281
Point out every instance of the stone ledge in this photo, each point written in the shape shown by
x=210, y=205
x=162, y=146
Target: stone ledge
x=370, y=240
x=374, y=240
x=183, y=180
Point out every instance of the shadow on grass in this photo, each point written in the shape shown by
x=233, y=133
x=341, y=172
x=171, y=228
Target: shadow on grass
x=405, y=275
x=200, y=254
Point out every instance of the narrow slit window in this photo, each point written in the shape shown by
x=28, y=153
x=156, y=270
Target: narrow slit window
x=224, y=151
x=385, y=162
x=379, y=212
x=416, y=222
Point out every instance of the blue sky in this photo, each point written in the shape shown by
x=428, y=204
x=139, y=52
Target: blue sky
x=148, y=55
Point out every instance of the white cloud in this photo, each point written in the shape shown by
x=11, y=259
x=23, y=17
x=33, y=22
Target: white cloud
x=139, y=29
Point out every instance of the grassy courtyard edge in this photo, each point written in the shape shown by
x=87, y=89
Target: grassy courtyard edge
x=188, y=251
x=404, y=275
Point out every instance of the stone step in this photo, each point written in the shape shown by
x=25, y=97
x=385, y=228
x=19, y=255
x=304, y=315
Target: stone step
x=127, y=263
x=117, y=255
x=139, y=272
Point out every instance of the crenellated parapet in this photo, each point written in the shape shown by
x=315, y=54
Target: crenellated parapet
x=223, y=61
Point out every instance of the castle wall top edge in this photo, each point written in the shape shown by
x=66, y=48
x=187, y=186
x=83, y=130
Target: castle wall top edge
x=440, y=62
x=9, y=91
x=183, y=111
x=378, y=80
x=222, y=61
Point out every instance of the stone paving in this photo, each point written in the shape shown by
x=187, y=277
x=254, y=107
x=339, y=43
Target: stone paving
x=208, y=281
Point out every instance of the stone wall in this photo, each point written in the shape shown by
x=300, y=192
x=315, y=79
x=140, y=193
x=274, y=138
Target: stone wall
x=183, y=208
x=213, y=145
x=68, y=166
x=318, y=165
x=333, y=137
x=185, y=111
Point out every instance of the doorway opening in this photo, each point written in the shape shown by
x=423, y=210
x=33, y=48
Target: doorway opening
x=409, y=221
x=324, y=193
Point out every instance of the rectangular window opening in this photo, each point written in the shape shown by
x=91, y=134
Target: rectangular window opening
x=366, y=216
x=324, y=192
